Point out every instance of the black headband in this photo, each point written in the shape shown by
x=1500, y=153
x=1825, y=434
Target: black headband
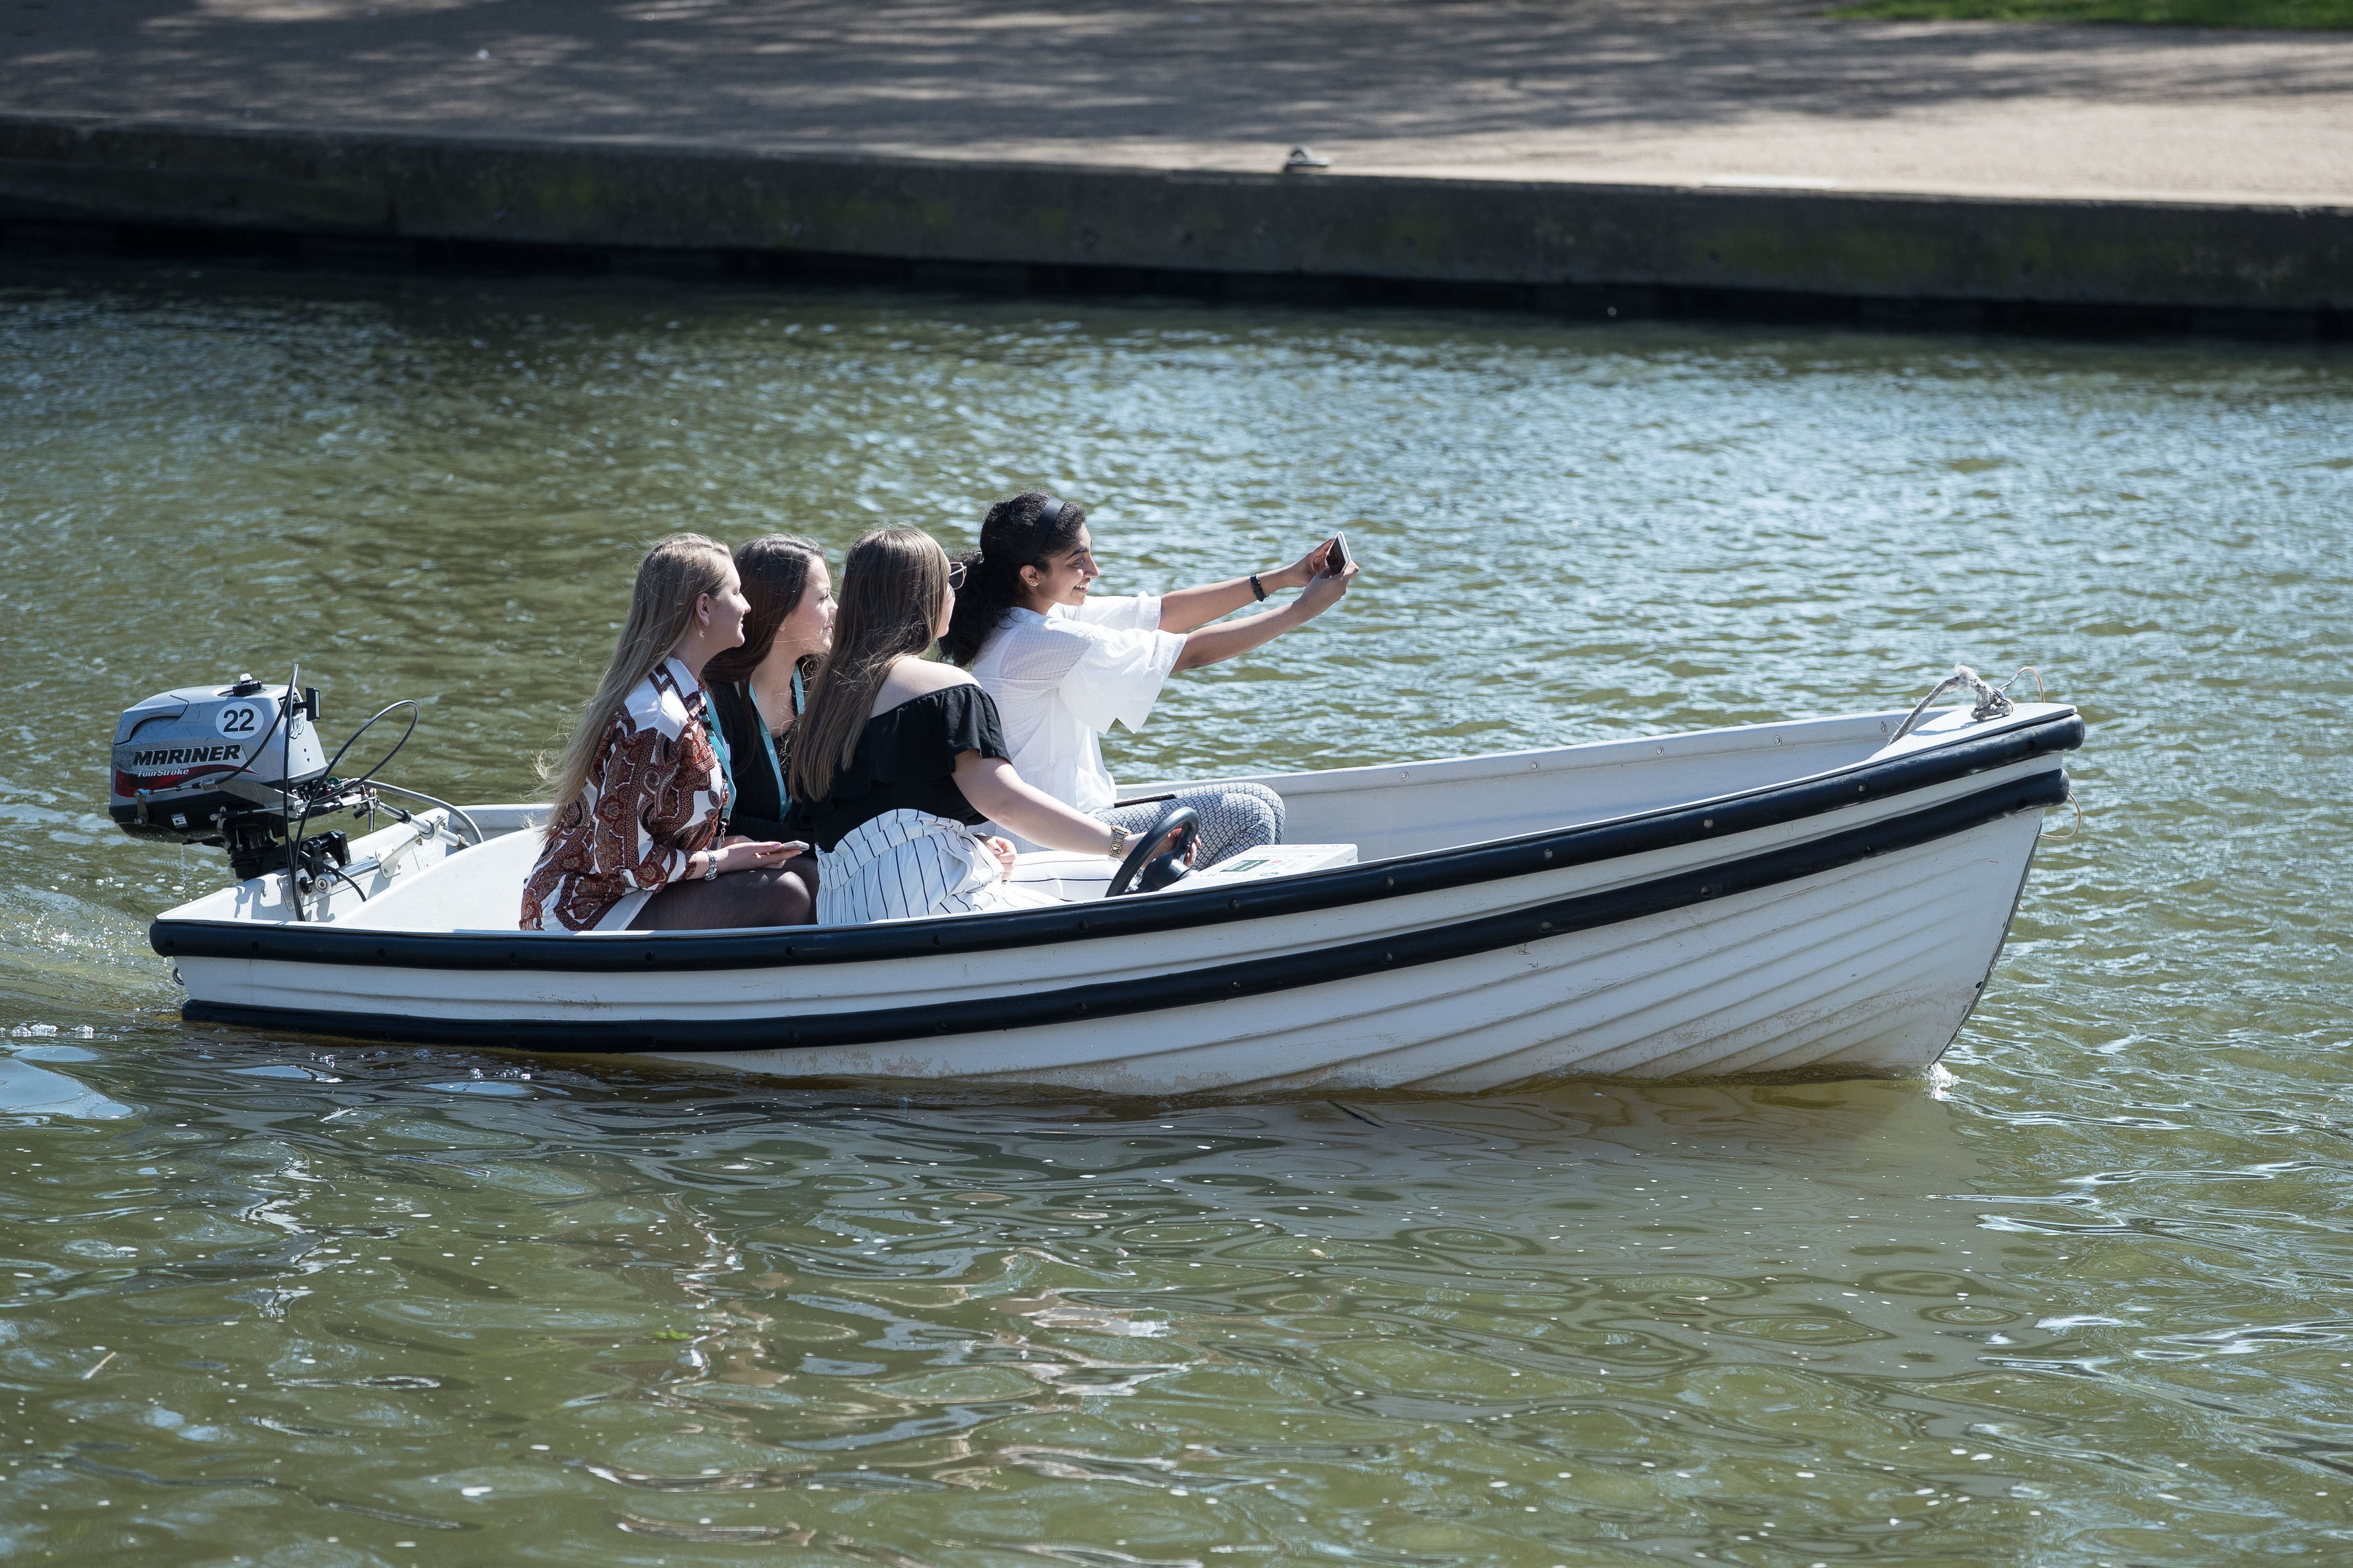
x=1047, y=517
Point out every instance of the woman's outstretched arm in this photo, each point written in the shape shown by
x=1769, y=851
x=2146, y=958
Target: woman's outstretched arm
x=1228, y=638
x=1188, y=607
x=992, y=786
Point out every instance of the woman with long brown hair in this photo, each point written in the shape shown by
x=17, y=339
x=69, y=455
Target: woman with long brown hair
x=899, y=757
x=639, y=792
x=758, y=691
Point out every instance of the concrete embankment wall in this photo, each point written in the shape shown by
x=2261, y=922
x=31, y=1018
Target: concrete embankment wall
x=1576, y=248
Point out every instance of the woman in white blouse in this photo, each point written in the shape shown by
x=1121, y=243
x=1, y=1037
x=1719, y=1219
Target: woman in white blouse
x=1064, y=667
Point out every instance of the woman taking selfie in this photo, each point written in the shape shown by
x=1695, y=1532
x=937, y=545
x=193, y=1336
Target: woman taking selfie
x=897, y=758
x=758, y=691
x=640, y=791
x=1064, y=667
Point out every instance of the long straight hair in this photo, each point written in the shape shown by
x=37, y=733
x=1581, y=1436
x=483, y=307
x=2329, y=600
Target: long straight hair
x=673, y=575
x=895, y=582
x=775, y=571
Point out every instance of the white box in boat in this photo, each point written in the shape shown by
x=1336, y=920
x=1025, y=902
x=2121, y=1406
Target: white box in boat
x=1272, y=860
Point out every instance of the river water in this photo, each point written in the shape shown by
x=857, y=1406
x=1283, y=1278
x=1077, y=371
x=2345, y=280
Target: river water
x=2081, y=1298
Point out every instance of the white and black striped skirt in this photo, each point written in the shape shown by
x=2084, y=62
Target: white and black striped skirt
x=906, y=865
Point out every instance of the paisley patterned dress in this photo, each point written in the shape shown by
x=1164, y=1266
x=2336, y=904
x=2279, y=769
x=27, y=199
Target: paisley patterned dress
x=656, y=794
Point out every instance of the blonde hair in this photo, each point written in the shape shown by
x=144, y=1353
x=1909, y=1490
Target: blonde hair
x=674, y=574
x=895, y=582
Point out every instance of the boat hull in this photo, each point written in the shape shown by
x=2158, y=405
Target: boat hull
x=1845, y=922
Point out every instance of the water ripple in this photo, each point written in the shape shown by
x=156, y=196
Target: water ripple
x=2073, y=1301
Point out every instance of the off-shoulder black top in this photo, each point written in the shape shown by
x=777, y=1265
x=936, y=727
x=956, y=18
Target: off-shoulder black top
x=905, y=761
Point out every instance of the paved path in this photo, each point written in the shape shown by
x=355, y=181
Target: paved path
x=1665, y=91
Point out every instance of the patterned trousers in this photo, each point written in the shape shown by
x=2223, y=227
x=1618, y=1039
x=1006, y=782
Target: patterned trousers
x=1234, y=817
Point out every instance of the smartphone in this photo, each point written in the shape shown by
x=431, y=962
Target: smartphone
x=1336, y=555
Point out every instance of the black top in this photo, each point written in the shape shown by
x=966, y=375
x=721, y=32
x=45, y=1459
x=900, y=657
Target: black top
x=905, y=761
x=758, y=808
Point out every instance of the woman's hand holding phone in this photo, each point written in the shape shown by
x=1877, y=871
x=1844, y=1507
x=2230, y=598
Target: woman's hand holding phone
x=1326, y=590
x=1328, y=559
x=1302, y=571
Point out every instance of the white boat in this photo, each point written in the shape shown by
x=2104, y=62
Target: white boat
x=1822, y=896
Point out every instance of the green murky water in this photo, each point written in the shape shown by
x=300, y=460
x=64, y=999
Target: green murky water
x=2085, y=1303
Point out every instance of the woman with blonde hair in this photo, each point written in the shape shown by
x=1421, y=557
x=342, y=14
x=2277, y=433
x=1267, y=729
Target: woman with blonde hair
x=640, y=791
x=898, y=757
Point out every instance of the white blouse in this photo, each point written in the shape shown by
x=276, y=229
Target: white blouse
x=1062, y=679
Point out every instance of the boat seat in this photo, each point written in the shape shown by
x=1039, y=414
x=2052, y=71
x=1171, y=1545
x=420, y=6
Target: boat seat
x=479, y=888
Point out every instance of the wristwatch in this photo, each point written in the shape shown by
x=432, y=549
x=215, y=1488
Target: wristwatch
x=1118, y=841
x=710, y=866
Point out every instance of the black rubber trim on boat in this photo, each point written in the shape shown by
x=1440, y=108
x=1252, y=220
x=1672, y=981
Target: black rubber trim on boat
x=670, y=951
x=1188, y=988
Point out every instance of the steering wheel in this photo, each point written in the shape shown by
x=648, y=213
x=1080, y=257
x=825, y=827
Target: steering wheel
x=1161, y=857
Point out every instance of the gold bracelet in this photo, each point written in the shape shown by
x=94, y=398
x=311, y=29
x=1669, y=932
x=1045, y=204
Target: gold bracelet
x=1118, y=841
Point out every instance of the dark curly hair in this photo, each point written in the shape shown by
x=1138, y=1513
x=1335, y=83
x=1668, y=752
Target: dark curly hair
x=992, y=581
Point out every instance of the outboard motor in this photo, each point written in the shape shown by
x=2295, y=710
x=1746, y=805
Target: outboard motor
x=222, y=766
x=240, y=767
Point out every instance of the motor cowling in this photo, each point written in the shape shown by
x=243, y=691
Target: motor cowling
x=191, y=763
